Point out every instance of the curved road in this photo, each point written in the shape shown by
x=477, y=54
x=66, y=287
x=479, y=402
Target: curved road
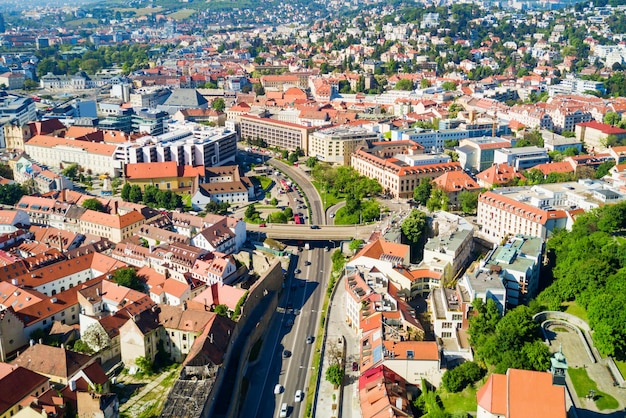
x=318, y=215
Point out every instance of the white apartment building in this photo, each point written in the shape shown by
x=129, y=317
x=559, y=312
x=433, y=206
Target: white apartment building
x=450, y=249
x=521, y=158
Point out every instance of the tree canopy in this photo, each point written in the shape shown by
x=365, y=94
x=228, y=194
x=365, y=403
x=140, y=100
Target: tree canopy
x=414, y=225
x=128, y=277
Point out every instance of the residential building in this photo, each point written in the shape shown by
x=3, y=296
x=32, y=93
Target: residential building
x=598, y=136
x=383, y=393
x=13, y=220
x=454, y=183
x=571, y=84
x=223, y=184
x=335, y=145
x=518, y=264
x=12, y=80
x=450, y=312
x=556, y=142
x=383, y=161
x=521, y=158
x=18, y=385
x=284, y=135
x=430, y=140
x=56, y=363
x=497, y=175
x=521, y=393
x=451, y=247
x=139, y=337
x=114, y=227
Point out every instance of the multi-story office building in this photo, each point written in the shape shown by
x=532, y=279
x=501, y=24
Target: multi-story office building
x=284, y=135
x=476, y=154
x=521, y=158
x=21, y=109
x=335, y=145
x=150, y=122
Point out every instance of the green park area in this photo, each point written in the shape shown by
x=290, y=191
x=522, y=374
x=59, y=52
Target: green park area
x=584, y=385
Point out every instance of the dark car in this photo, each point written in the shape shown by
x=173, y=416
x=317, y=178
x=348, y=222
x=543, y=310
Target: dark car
x=286, y=354
x=307, y=263
x=297, y=271
x=355, y=366
x=315, y=227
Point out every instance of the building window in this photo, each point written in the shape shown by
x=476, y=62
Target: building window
x=446, y=325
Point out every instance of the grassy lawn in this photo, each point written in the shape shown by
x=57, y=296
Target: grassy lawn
x=81, y=22
x=621, y=365
x=182, y=14
x=576, y=310
x=263, y=181
x=328, y=198
x=464, y=401
x=583, y=384
x=186, y=200
x=144, y=11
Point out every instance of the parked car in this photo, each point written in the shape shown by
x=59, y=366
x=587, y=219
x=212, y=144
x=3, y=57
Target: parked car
x=315, y=227
x=355, y=366
x=262, y=225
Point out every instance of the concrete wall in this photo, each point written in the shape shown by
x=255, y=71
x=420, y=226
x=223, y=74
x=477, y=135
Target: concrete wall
x=256, y=314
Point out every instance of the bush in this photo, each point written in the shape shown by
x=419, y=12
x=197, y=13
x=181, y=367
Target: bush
x=334, y=374
x=457, y=379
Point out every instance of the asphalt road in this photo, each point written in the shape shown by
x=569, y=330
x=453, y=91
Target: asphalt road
x=318, y=216
x=304, y=292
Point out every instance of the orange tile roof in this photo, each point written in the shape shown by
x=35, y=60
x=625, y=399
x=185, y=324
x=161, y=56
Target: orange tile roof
x=112, y=221
x=492, y=396
x=381, y=246
x=456, y=181
x=151, y=170
x=90, y=147
x=422, y=350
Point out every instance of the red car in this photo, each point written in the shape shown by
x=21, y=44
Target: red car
x=262, y=225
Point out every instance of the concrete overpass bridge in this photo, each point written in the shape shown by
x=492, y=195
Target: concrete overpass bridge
x=305, y=232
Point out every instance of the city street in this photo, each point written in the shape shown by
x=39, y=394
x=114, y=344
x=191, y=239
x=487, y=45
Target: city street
x=301, y=303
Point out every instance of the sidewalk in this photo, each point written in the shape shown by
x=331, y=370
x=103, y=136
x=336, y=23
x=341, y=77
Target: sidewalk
x=346, y=397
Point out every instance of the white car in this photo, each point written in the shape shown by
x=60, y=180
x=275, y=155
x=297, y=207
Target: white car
x=278, y=389
x=284, y=408
x=299, y=396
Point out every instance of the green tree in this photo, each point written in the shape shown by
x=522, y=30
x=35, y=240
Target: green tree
x=355, y=244
x=128, y=277
x=288, y=212
x=10, y=194
x=334, y=374
x=71, y=171
x=311, y=162
x=458, y=378
x=424, y=83
x=438, y=200
x=422, y=192
x=125, y=192
x=6, y=171
x=218, y=104
x=612, y=118
x=82, y=347
x=274, y=202
x=414, y=226
x=469, y=201
x=144, y=364
x=135, y=195
x=93, y=204
x=448, y=85
x=219, y=208
x=251, y=212
x=405, y=84
x=221, y=310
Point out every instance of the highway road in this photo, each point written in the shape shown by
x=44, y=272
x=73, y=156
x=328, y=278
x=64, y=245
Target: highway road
x=301, y=303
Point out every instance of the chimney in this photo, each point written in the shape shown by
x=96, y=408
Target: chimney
x=184, y=305
x=31, y=343
x=98, y=291
x=211, y=338
x=41, y=341
x=62, y=346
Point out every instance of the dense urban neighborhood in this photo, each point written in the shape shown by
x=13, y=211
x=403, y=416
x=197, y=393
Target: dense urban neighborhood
x=346, y=209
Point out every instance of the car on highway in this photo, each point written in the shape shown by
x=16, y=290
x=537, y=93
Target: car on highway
x=286, y=354
x=315, y=227
x=309, y=339
x=332, y=215
x=278, y=389
x=284, y=408
x=297, y=271
x=307, y=263
x=299, y=396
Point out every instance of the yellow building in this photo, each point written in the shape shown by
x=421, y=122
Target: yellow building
x=165, y=176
